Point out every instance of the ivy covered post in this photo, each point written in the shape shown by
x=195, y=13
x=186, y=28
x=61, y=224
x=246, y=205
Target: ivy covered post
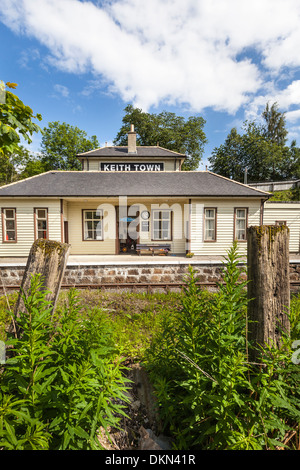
x=268, y=286
x=48, y=258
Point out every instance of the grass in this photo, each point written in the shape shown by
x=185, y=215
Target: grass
x=134, y=316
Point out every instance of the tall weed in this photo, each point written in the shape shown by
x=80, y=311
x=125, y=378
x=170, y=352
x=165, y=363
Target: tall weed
x=62, y=380
x=210, y=396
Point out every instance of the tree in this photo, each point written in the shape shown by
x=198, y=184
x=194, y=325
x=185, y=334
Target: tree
x=16, y=121
x=61, y=143
x=294, y=160
x=167, y=130
x=227, y=160
x=261, y=149
x=274, y=128
x=19, y=165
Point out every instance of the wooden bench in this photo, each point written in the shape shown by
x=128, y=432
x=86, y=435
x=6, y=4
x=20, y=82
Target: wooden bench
x=153, y=248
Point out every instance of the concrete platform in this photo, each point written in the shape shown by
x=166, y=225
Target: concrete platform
x=128, y=260
x=117, y=260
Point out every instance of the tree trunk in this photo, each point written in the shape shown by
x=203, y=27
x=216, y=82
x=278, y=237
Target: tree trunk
x=48, y=258
x=268, y=287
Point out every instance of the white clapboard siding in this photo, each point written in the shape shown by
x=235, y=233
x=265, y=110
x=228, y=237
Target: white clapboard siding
x=108, y=245
x=25, y=224
x=225, y=224
x=288, y=212
x=75, y=225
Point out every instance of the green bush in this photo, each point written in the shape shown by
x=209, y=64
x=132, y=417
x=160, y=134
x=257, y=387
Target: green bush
x=209, y=395
x=62, y=380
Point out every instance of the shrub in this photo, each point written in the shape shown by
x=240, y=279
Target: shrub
x=209, y=395
x=62, y=380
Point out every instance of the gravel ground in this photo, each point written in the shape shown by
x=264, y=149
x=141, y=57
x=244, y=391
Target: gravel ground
x=142, y=429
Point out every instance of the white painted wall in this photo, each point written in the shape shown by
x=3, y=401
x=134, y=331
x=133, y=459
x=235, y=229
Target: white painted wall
x=225, y=224
x=288, y=212
x=25, y=224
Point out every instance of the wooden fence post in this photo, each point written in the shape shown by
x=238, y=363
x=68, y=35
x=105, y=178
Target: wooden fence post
x=48, y=258
x=268, y=286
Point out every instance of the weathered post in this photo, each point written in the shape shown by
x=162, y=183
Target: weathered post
x=268, y=286
x=48, y=258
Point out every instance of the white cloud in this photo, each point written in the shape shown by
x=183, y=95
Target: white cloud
x=61, y=90
x=195, y=53
x=293, y=116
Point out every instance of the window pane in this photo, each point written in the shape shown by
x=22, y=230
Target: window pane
x=241, y=213
x=92, y=225
x=42, y=225
x=241, y=235
x=210, y=234
x=161, y=225
x=9, y=213
x=10, y=235
x=210, y=224
x=10, y=224
x=42, y=234
x=241, y=224
x=41, y=213
x=210, y=213
x=96, y=223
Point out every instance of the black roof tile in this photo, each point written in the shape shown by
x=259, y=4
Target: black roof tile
x=107, y=184
x=141, y=151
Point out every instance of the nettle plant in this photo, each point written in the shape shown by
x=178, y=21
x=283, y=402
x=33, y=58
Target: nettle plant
x=209, y=395
x=62, y=380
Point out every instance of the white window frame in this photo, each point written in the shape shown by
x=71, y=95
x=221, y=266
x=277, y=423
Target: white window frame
x=236, y=219
x=6, y=219
x=37, y=219
x=160, y=230
x=209, y=219
x=98, y=231
x=280, y=222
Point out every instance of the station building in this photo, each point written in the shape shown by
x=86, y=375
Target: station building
x=131, y=196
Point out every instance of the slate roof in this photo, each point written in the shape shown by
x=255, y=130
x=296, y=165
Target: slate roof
x=122, y=151
x=107, y=184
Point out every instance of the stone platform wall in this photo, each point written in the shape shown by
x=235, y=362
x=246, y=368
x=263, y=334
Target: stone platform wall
x=139, y=275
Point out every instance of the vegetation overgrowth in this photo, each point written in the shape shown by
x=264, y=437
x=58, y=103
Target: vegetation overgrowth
x=210, y=395
x=63, y=379
x=65, y=375
x=286, y=195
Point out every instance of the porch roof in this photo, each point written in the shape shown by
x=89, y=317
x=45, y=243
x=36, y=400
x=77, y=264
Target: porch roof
x=132, y=184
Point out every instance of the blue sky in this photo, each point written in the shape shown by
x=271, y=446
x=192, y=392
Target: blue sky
x=81, y=62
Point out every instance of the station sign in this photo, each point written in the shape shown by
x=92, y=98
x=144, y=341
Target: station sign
x=132, y=166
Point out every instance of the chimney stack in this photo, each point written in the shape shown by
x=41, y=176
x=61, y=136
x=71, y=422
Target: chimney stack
x=131, y=140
